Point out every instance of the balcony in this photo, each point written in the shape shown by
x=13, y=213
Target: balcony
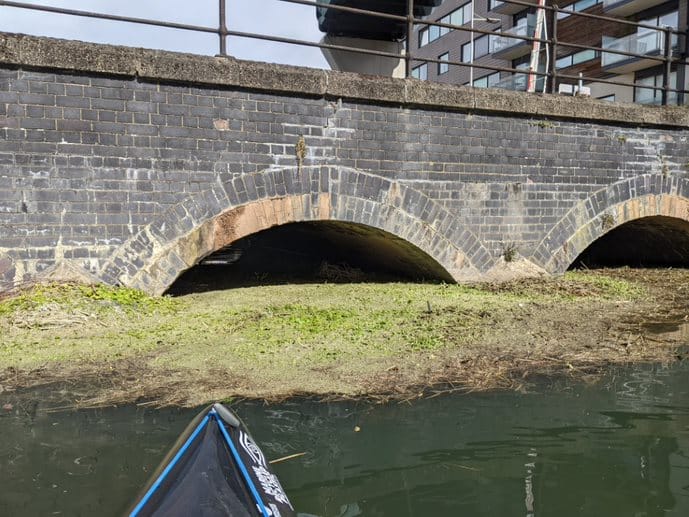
x=497, y=6
x=504, y=47
x=628, y=7
x=656, y=99
x=646, y=43
x=515, y=82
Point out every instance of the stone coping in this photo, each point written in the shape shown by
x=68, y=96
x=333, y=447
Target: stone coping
x=162, y=66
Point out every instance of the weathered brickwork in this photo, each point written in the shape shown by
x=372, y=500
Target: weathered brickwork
x=134, y=180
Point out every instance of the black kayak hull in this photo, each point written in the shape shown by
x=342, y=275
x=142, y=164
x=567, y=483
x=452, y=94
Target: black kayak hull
x=214, y=470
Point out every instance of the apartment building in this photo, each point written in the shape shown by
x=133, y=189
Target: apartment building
x=502, y=50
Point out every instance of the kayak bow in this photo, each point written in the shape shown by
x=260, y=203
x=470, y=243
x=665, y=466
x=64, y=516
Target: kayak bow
x=214, y=469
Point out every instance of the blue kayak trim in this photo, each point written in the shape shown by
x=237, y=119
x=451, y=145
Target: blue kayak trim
x=240, y=464
x=167, y=470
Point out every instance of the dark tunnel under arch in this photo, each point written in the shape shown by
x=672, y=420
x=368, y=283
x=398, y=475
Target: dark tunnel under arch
x=312, y=251
x=654, y=241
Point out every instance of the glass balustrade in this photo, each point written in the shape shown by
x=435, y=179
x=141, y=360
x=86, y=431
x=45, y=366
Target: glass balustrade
x=642, y=43
x=501, y=43
x=515, y=82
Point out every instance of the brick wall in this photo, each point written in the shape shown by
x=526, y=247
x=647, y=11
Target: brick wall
x=90, y=164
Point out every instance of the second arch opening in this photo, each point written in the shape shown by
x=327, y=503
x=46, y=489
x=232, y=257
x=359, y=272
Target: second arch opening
x=656, y=241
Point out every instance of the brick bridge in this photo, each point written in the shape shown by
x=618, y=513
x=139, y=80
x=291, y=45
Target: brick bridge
x=130, y=166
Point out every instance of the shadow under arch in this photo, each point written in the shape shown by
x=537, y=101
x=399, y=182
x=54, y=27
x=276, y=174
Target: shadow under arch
x=641, y=197
x=213, y=219
x=307, y=252
x=652, y=241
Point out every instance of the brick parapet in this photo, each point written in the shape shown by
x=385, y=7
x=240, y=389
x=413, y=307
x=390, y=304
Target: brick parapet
x=162, y=66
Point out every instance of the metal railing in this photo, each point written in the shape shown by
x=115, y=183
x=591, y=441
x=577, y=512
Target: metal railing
x=663, y=55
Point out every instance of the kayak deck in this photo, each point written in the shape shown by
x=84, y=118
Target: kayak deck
x=215, y=469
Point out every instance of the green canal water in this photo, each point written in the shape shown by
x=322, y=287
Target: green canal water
x=619, y=447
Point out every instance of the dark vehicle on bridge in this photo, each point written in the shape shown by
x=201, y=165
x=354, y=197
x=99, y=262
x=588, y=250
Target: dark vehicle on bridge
x=356, y=25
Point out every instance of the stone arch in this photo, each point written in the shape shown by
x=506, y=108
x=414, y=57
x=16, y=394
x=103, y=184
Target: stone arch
x=608, y=208
x=229, y=210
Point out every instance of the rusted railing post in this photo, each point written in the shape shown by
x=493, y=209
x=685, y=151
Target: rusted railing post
x=683, y=66
x=553, y=50
x=667, y=65
x=410, y=34
x=222, y=27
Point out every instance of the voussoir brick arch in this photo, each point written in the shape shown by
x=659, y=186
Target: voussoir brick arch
x=635, y=198
x=240, y=206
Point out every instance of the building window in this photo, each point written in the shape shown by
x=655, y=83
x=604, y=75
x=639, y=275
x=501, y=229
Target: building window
x=420, y=72
x=581, y=5
x=459, y=16
x=522, y=62
x=423, y=37
x=466, y=53
x=444, y=30
x=433, y=33
x=576, y=58
x=481, y=48
x=494, y=4
x=487, y=81
x=520, y=18
x=443, y=67
x=670, y=19
x=650, y=95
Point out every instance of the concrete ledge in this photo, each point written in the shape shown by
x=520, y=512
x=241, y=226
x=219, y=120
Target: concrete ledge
x=153, y=65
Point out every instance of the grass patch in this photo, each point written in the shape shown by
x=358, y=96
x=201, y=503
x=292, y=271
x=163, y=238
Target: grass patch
x=573, y=285
x=74, y=296
x=607, y=287
x=308, y=321
x=68, y=323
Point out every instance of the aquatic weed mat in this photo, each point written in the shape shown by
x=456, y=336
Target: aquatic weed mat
x=352, y=340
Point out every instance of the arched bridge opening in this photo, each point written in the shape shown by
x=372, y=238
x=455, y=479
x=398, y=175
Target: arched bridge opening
x=656, y=241
x=313, y=251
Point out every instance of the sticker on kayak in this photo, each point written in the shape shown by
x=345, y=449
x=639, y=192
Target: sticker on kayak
x=271, y=485
x=252, y=449
x=269, y=482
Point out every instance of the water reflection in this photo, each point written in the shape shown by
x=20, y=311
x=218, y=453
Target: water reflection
x=618, y=448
